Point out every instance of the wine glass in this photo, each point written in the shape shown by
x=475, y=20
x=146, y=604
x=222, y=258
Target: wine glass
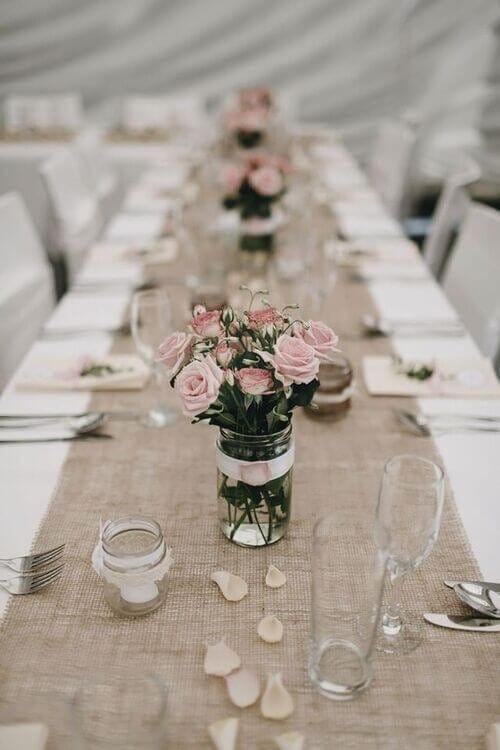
x=406, y=528
x=151, y=323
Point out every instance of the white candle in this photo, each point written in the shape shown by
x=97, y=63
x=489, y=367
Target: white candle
x=139, y=594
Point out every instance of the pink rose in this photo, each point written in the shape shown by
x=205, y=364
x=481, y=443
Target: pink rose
x=207, y=324
x=266, y=181
x=231, y=177
x=293, y=360
x=264, y=317
x=254, y=380
x=224, y=353
x=174, y=349
x=321, y=337
x=198, y=385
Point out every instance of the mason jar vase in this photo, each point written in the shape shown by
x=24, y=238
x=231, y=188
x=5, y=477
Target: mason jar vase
x=254, y=486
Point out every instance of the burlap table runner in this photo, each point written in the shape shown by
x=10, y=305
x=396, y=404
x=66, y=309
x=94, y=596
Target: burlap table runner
x=444, y=695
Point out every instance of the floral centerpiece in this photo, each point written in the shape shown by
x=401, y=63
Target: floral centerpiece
x=249, y=118
x=252, y=188
x=246, y=372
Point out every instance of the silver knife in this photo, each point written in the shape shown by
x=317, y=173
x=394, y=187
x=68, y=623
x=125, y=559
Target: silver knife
x=463, y=622
x=485, y=584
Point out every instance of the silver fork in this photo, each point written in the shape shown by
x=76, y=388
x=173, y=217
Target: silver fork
x=30, y=563
x=30, y=583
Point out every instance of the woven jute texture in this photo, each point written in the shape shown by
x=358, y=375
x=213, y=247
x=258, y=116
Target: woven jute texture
x=444, y=695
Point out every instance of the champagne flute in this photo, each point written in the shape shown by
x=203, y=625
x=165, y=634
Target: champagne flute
x=151, y=322
x=406, y=528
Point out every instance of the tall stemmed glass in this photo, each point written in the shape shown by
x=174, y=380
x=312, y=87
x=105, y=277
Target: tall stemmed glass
x=151, y=323
x=406, y=527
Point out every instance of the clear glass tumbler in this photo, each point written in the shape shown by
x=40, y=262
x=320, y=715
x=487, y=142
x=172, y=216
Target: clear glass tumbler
x=126, y=711
x=347, y=584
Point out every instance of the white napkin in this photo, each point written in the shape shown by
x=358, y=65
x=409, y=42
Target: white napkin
x=356, y=226
x=61, y=374
x=128, y=274
x=123, y=253
x=493, y=737
x=135, y=227
x=148, y=199
x=92, y=309
x=30, y=736
x=453, y=377
x=354, y=253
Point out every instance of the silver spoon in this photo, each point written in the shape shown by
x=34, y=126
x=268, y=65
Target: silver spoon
x=479, y=598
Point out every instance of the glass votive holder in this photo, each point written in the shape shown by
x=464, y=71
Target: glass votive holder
x=134, y=565
x=332, y=399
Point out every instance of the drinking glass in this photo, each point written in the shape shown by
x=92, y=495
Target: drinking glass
x=406, y=527
x=151, y=323
x=123, y=711
x=347, y=583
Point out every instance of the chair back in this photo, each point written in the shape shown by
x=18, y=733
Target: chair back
x=20, y=245
x=472, y=277
x=450, y=211
x=390, y=163
x=27, y=289
x=42, y=113
x=75, y=207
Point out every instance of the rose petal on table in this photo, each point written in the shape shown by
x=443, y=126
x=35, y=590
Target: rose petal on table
x=223, y=733
x=274, y=577
x=243, y=687
x=233, y=587
x=220, y=660
x=290, y=741
x=270, y=629
x=276, y=702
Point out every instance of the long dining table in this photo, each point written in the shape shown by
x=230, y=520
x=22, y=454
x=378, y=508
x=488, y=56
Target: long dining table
x=444, y=695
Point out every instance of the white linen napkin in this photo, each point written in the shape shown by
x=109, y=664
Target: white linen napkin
x=358, y=252
x=452, y=377
x=115, y=254
x=147, y=199
x=356, y=226
x=29, y=736
x=135, y=227
x=63, y=374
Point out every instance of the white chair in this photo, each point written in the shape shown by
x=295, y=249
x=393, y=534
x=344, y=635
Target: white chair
x=390, y=164
x=450, y=210
x=41, y=113
x=27, y=289
x=97, y=172
x=75, y=207
x=472, y=277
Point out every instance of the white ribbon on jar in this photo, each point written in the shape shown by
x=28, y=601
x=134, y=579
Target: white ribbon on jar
x=255, y=473
x=134, y=587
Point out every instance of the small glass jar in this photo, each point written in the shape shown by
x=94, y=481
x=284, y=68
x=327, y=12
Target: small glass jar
x=135, y=565
x=254, y=486
x=332, y=399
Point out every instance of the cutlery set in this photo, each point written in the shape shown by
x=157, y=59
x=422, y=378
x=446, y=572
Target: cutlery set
x=373, y=325
x=31, y=572
x=425, y=425
x=43, y=428
x=481, y=596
